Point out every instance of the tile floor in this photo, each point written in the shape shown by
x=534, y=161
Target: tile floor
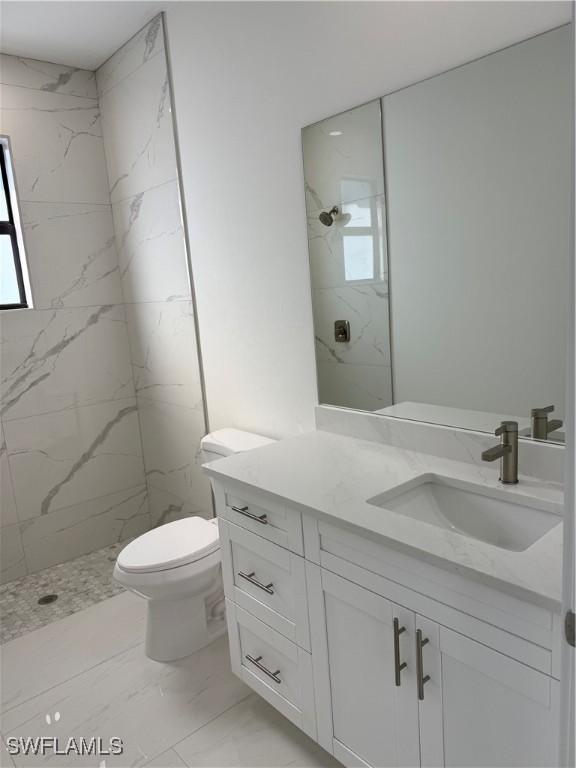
x=78, y=583
x=86, y=675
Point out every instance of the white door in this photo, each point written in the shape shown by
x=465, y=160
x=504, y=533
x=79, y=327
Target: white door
x=370, y=651
x=491, y=709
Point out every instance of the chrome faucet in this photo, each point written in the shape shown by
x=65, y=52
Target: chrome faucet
x=541, y=427
x=506, y=451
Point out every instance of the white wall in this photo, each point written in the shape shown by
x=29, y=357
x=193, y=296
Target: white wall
x=247, y=78
x=478, y=184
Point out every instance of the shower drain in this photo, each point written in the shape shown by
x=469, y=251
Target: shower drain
x=47, y=599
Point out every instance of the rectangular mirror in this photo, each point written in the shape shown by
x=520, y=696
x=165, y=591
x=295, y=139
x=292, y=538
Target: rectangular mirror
x=439, y=229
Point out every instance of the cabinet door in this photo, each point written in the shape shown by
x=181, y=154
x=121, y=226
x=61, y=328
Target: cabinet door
x=374, y=720
x=492, y=710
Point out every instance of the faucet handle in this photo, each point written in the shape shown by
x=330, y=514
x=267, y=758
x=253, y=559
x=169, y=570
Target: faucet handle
x=506, y=426
x=536, y=412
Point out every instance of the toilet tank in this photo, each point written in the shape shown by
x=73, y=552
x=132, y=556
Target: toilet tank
x=227, y=442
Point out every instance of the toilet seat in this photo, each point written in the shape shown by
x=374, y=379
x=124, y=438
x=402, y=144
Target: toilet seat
x=169, y=546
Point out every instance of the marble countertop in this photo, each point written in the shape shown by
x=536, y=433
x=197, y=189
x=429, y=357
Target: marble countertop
x=333, y=476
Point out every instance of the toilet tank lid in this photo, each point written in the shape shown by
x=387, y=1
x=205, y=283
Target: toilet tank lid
x=226, y=442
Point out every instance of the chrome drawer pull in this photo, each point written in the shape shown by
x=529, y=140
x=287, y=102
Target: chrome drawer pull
x=250, y=577
x=262, y=668
x=259, y=518
x=420, y=643
x=398, y=667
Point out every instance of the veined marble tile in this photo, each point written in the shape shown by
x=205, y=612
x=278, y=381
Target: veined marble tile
x=43, y=76
x=138, y=131
x=70, y=647
x=55, y=359
x=137, y=51
x=165, y=507
x=171, y=439
x=8, y=514
x=71, y=456
x=12, y=560
x=366, y=387
x=151, y=247
x=71, y=253
x=353, y=248
x=151, y=706
x=57, y=145
x=252, y=734
x=73, y=531
x=348, y=164
x=365, y=306
x=164, y=354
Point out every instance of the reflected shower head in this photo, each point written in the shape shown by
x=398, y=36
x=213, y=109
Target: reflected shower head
x=327, y=217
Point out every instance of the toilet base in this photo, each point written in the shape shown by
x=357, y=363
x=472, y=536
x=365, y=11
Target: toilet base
x=177, y=628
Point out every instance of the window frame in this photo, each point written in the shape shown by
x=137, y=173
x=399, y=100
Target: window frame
x=12, y=227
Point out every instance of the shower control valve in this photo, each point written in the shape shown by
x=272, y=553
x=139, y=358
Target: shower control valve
x=341, y=330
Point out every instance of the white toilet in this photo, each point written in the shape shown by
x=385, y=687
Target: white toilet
x=176, y=567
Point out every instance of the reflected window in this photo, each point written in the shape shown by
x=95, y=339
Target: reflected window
x=13, y=276
x=358, y=257
x=361, y=233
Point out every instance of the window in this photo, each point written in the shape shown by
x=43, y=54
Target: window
x=13, y=274
x=362, y=232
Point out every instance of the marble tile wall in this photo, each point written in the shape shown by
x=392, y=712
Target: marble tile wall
x=135, y=102
x=71, y=460
x=343, y=166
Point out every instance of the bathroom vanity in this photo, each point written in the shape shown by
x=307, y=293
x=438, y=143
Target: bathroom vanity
x=401, y=608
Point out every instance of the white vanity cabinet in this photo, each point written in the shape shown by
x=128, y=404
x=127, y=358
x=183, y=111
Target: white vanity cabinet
x=381, y=658
x=364, y=646
x=492, y=709
x=455, y=703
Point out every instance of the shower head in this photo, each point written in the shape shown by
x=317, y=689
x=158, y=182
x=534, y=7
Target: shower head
x=327, y=217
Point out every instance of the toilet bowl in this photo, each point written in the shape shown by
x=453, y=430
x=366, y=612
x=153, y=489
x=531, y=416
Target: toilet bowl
x=176, y=568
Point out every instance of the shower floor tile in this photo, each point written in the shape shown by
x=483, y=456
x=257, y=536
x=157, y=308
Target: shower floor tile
x=79, y=583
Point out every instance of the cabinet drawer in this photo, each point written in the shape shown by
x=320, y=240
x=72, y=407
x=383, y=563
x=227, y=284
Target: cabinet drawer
x=265, y=517
x=265, y=580
x=468, y=606
x=273, y=666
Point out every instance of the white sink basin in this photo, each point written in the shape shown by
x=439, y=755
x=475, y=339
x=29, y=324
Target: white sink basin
x=496, y=517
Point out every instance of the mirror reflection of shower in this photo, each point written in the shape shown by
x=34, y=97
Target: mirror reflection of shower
x=327, y=217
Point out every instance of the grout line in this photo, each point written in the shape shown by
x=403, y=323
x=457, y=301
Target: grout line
x=30, y=521
x=175, y=745
x=168, y=402
x=63, y=202
x=77, y=407
x=50, y=93
x=143, y=191
x=105, y=91
x=68, y=307
x=311, y=213
x=78, y=674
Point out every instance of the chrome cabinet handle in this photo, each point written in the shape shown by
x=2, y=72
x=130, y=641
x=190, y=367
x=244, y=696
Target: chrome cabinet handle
x=422, y=679
x=398, y=666
x=250, y=577
x=262, y=668
x=259, y=518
